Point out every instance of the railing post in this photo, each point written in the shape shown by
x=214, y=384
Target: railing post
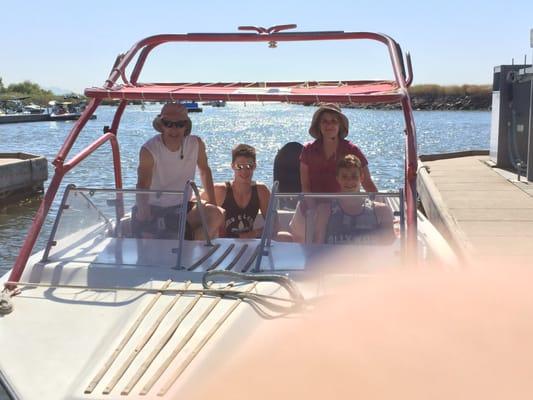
x=267, y=230
x=51, y=241
x=36, y=226
x=201, y=211
x=402, y=222
x=182, y=219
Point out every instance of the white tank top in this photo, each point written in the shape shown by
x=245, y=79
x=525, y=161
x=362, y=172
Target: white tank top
x=171, y=171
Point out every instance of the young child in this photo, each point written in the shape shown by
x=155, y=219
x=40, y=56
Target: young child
x=353, y=219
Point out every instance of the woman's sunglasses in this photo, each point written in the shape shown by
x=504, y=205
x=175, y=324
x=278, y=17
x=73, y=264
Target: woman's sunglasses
x=170, y=124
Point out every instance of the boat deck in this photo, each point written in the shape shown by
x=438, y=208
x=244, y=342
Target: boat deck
x=485, y=212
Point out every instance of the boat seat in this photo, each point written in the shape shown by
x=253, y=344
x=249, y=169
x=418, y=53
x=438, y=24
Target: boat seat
x=287, y=172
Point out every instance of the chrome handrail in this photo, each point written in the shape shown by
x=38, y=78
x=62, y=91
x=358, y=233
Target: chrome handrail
x=266, y=236
x=201, y=210
x=51, y=242
x=182, y=220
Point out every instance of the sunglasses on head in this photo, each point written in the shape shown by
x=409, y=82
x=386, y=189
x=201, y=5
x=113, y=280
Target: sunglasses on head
x=170, y=124
x=240, y=167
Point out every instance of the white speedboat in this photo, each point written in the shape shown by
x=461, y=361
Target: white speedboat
x=101, y=314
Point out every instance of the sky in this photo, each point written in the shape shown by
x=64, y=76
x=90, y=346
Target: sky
x=72, y=45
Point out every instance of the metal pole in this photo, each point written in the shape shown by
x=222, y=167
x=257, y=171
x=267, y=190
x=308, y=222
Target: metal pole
x=24, y=254
x=51, y=242
x=529, y=171
x=182, y=219
x=201, y=211
x=402, y=220
x=267, y=228
x=270, y=225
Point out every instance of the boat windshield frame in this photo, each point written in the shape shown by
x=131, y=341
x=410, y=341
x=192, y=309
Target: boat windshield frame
x=95, y=226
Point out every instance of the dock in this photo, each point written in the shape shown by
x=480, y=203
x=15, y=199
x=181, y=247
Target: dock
x=21, y=174
x=485, y=213
x=19, y=118
x=16, y=118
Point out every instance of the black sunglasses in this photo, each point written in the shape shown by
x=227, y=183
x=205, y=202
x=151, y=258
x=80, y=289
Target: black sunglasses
x=170, y=124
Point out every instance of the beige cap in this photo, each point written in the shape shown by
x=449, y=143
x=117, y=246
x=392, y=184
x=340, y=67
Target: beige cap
x=172, y=112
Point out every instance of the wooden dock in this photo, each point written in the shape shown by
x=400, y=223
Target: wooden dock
x=21, y=174
x=484, y=212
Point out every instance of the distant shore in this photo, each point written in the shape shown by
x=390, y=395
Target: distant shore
x=423, y=97
x=436, y=97
x=441, y=103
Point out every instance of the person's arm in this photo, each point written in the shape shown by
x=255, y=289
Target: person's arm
x=205, y=173
x=220, y=193
x=144, y=180
x=366, y=180
x=306, y=185
x=323, y=212
x=304, y=178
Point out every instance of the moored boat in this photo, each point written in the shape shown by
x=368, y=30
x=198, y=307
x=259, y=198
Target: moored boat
x=66, y=111
x=215, y=103
x=56, y=111
x=105, y=314
x=192, y=106
x=15, y=110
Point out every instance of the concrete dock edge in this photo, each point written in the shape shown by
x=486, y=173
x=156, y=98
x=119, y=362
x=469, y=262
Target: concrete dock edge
x=436, y=209
x=21, y=174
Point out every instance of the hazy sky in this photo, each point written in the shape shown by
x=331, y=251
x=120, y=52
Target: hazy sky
x=72, y=45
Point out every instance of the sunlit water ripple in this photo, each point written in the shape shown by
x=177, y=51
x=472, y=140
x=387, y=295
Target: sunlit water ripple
x=266, y=126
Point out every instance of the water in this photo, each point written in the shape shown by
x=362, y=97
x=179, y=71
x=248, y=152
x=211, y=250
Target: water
x=266, y=126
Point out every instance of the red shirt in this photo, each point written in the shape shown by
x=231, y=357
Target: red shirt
x=322, y=172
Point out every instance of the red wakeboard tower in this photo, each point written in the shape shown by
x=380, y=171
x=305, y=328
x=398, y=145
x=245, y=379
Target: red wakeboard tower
x=120, y=87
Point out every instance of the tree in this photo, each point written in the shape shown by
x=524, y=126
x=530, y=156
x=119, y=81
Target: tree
x=27, y=87
x=2, y=88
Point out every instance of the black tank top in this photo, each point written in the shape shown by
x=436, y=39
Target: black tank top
x=238, y=219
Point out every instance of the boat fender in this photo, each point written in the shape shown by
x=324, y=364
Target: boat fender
x=6, y=305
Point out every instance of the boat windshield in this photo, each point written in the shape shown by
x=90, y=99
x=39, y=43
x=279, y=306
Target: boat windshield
x=102, y=227
x=91, y=222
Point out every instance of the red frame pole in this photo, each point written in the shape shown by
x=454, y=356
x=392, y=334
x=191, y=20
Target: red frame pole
x=35, y=229
x=411, y=164
x=61, y=170
x=76, y=129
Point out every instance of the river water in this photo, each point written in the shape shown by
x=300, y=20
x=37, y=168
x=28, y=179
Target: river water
x=379, y=133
